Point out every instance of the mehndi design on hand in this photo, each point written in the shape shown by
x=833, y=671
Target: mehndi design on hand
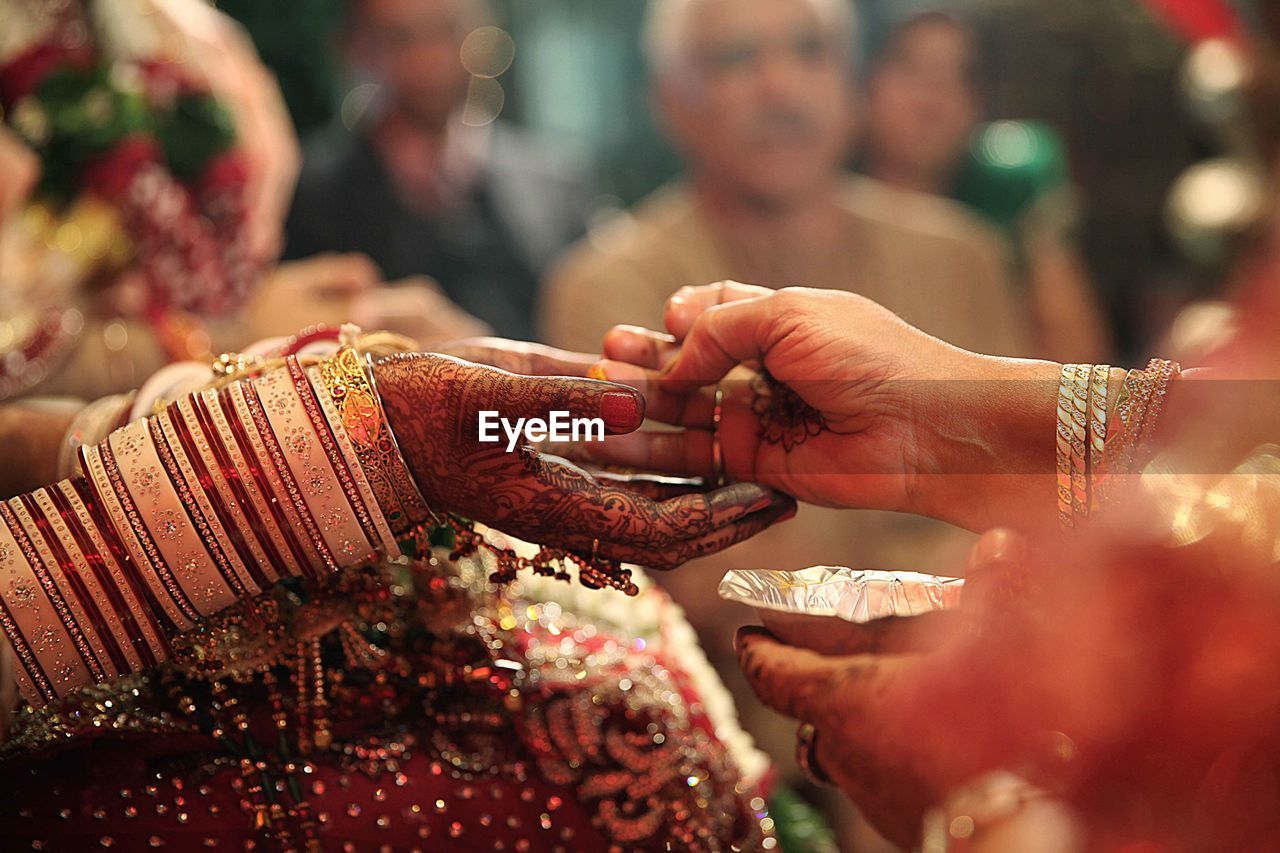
x=785, y=418
x=433, y=404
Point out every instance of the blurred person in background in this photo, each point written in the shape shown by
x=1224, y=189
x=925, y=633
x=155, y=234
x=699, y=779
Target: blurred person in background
x=146, y=163
x=924, y=101
x=419, y=188
x=759, y=100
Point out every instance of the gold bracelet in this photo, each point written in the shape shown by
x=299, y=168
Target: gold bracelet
x=1162, y=372
x=1099, y=375
x=1062, y=439
x=1125, y=422
x=348, y=377
x=1139, y=407
x=1079, y=438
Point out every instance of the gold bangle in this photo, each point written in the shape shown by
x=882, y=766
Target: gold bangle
x=1162, y=372
x=1099, y=374
x=1139, y=407
x=1078, y=437
x=1062, y=441
x=1125, y=424
x=348, y=377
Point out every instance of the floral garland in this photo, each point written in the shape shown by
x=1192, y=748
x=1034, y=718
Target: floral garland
x=147, y=139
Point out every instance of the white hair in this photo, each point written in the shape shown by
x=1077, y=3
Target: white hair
x=666, y=31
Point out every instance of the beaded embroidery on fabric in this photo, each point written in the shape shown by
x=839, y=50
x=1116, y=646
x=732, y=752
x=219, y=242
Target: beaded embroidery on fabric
x=375, y=674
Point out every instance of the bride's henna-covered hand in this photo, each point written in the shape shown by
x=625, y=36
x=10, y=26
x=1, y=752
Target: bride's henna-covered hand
x=532, y=359
x=433, y=403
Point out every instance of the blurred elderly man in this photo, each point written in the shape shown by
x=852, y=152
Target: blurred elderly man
x=757, y=95
x=483, y=210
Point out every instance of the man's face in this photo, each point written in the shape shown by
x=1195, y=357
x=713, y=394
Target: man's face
x=765, y=104
x=412, y=47
x=921, y=102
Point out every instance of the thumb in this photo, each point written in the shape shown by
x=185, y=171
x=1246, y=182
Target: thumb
x=721, y=338
x=792, y=681
x=997, y=575
x=684, y=307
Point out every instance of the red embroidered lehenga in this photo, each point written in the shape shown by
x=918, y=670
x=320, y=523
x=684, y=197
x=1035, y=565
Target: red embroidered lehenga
x=398, y=708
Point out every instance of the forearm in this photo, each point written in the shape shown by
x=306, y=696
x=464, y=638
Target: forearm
x=31, y=437
x=176, y=517
x=990, y=432
x=994, y=432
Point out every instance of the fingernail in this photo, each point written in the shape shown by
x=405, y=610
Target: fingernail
x=620, y=409
x=597, y=371
x=746, y=634
x=754, y=496
x=999, y=545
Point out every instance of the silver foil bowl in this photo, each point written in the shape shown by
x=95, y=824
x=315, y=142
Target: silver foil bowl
x=855, y=595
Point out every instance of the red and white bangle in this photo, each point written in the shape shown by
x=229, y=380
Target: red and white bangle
x=178, y=515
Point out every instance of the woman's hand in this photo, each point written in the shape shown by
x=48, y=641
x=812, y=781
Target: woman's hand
x=863, y=688
x=417, y=308
x=433, y=403
x=331, y=288
x=848, y=405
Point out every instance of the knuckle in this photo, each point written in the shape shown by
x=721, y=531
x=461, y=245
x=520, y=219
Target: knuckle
x=792, y=298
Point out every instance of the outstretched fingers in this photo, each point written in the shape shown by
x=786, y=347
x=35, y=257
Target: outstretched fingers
x=515, y=398
x=519, y=357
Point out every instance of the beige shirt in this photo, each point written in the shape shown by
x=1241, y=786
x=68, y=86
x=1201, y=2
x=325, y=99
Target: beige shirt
x=926, y=259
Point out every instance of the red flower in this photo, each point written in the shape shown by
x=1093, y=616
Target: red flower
x=26, y=71
x=110, y=174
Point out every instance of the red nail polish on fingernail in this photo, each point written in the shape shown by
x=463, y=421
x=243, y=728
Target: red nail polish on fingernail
x=620, y=409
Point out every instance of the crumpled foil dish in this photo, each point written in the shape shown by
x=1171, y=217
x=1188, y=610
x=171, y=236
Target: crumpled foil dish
x=855, y=595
